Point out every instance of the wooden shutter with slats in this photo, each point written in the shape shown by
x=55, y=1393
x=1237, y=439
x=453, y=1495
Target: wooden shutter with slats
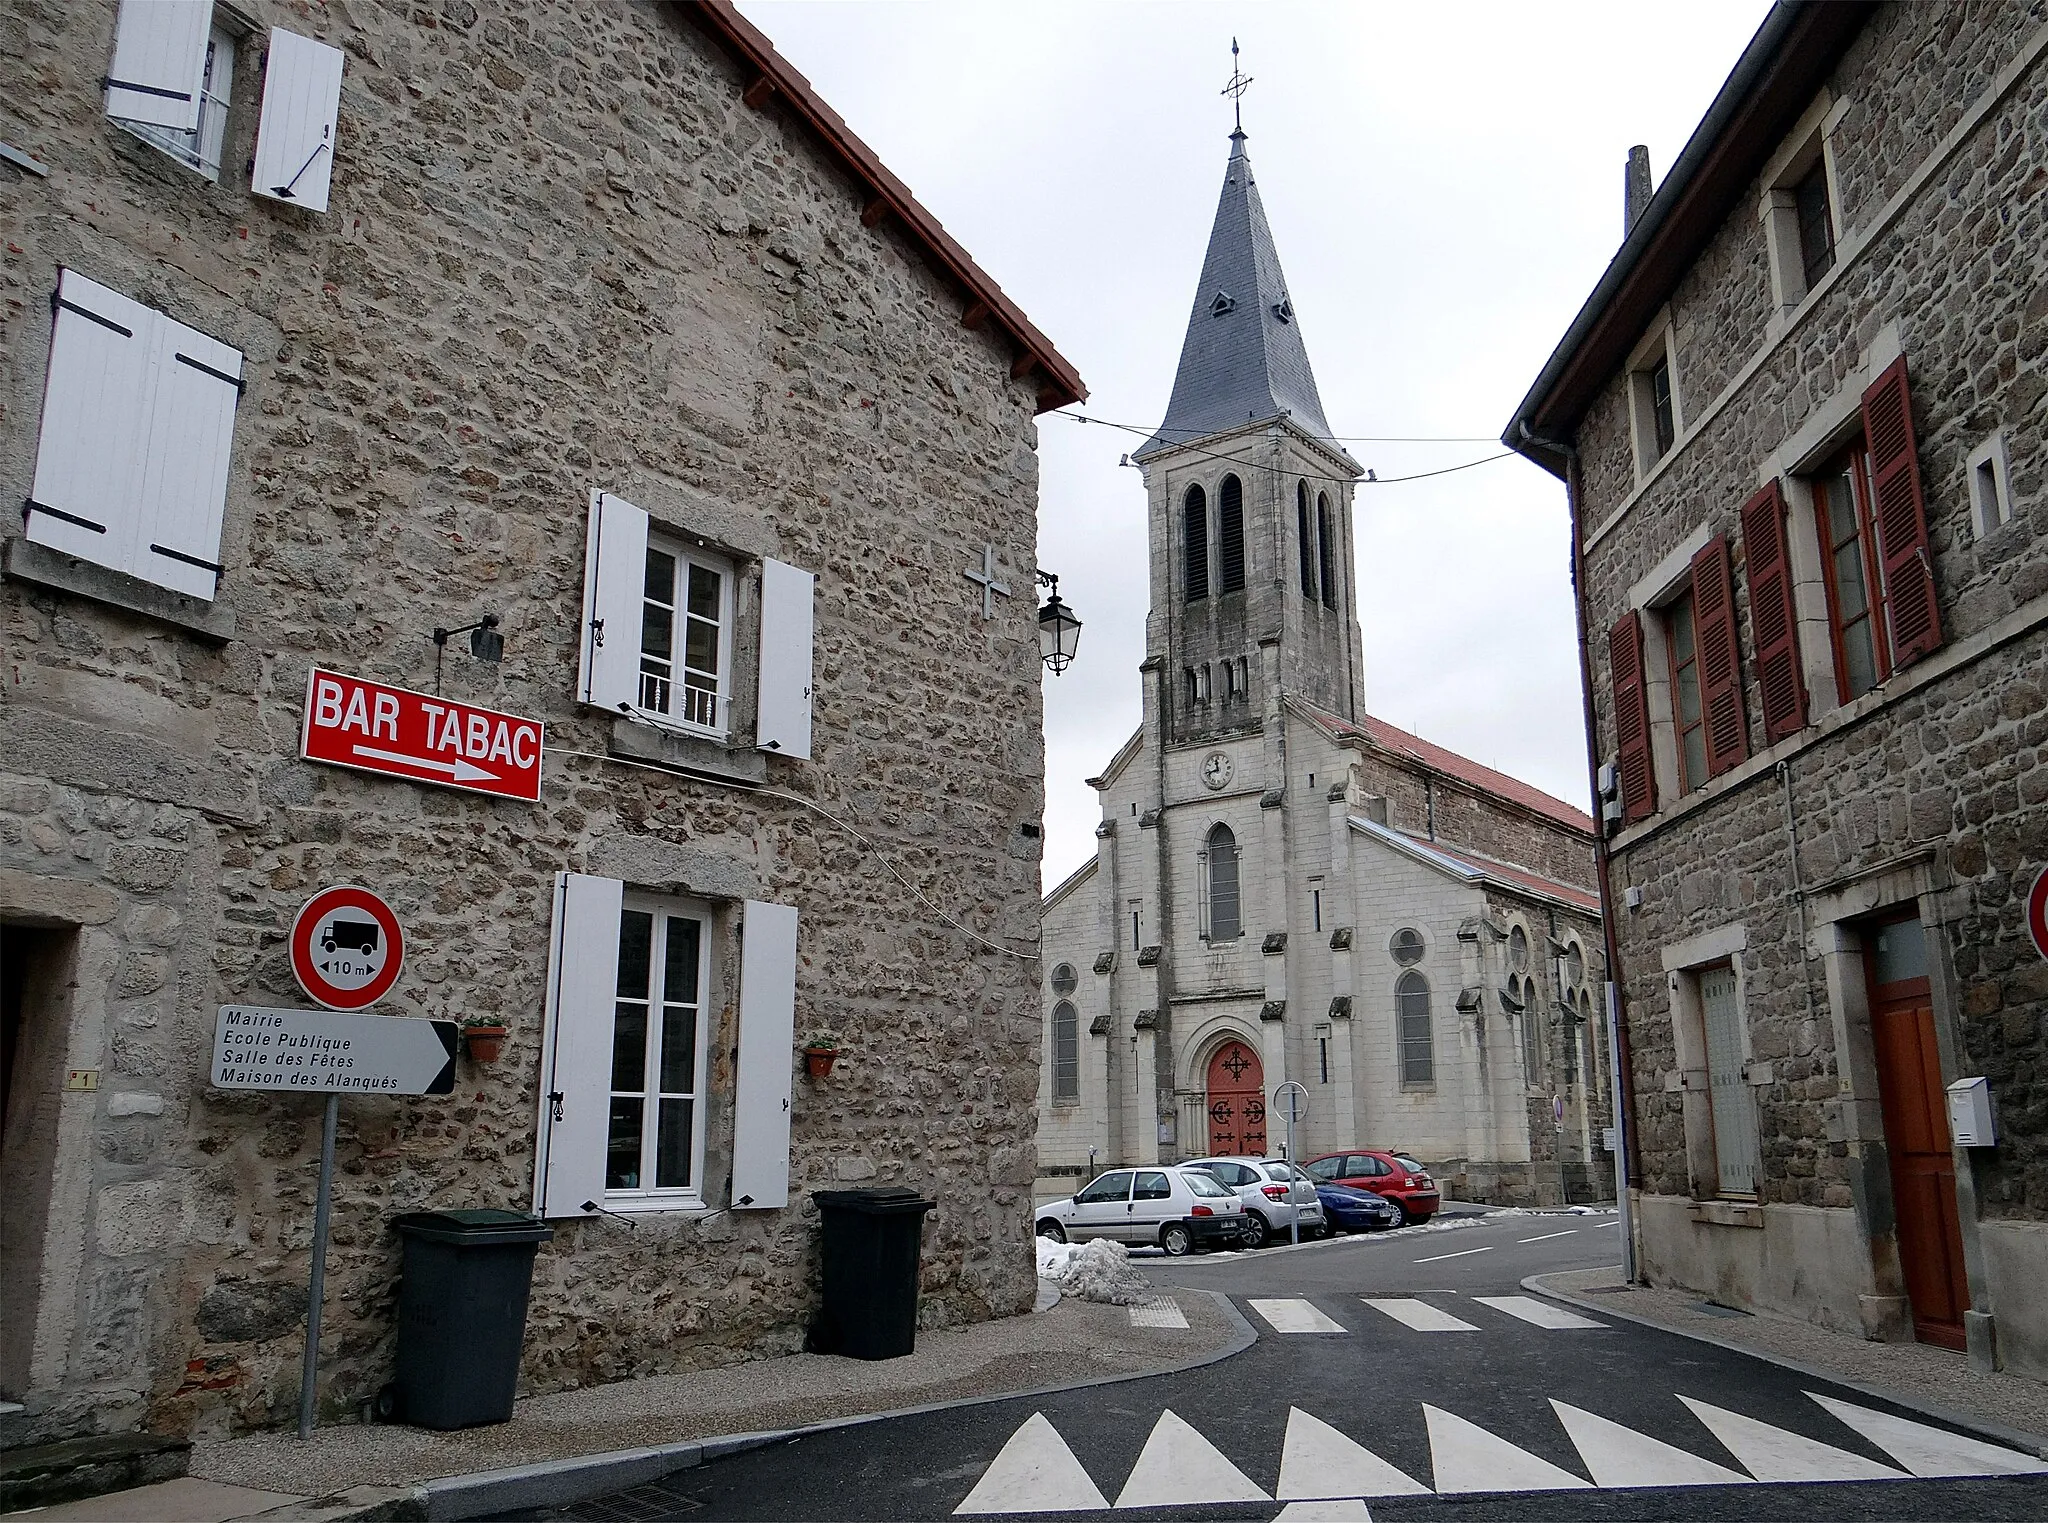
x=1632, y=718
x=1900, y=511
x=1720, y=657
x=1773, y=614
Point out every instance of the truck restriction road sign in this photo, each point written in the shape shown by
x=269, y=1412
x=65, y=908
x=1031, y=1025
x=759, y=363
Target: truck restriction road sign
x=351, y=722
x=2037, y=913
x=319, y=1051
x=347, y=948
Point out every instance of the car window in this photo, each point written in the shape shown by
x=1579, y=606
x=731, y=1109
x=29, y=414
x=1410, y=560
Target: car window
x=1361, y=1165
x=1408, y=1163
x=1151, y=1186
x=1284, y=1171
x=1326, y=1168
x=1115, y=1185
x=1201, y=1182
x=1240, y=1175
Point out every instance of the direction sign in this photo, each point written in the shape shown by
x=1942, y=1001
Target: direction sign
x=320, y=1051
x=352, y=722
x=347, y=948
x=2037, y=913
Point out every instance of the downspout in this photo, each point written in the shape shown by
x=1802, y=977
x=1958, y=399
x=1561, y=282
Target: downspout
x=1627, y=1163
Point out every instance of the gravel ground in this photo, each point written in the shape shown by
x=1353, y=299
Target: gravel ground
x=1920, y=1371
x=1075, y=1341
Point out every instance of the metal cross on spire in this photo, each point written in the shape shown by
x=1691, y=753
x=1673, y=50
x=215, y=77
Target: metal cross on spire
x=1239, y=83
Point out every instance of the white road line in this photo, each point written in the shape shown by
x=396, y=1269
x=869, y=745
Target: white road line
x=1465, y=1457
x=1317, y=1463
x=1461, y=1253
x=1618, y=1456
x=1419, y=1315
x=1295, y=1316
x=1158, y=1313
x=1180, y=1468
x=1036, y=1472
x=1352, y=1511
x=1541, y=1313
x=1931, y=1452
x=1772, y=1454
x=1547, y=1236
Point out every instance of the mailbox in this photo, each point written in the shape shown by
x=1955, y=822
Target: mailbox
x=1969, y=1114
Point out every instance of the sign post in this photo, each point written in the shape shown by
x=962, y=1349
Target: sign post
x=1292, y=1101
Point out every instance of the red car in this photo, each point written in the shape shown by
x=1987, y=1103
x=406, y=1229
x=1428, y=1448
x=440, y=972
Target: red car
x=1395, y=1176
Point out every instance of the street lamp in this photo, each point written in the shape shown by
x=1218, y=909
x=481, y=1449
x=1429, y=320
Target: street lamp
x=1058, y=630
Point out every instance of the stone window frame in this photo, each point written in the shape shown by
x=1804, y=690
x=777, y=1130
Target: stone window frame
x=1205, y=931
x=1989, y=474
x=1685, y=963
x=1658, y=345
x=1420, y=958
x=1403, y=980
x=1810, y=145
x=1652, y=597
x=1065, y=1037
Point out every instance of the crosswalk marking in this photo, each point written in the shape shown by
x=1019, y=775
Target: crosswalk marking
x=1931, y=1452
x=1161, y=1312
x=1036, y=1472
x=1180, y=1468
x=1541, y=1313
x=1419, y=1315
x=1295, y=1317
x=1351, y=1511
x=1465, y=1458
x=1619, y=1456
x=1773, y=1454
x=1319, y=1463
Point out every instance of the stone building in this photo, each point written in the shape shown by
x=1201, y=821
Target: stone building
x=578, y=316
x=1284, y=887
x=1800, y=420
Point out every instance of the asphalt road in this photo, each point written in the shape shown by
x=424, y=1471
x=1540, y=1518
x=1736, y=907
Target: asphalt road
x=1435, y=1401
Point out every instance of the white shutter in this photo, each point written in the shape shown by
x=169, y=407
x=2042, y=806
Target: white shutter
x=576, y=1046
x=96, y=405
x=185, y=463
x=785, y=709
x=760, y=1141
x=614, y=580
x=295, y=135
x=159, y=62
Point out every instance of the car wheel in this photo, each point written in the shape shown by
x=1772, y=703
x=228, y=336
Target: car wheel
x=1177, y=1240
x=1401, y=1214
x=1255, y=1232
x=1052, y=1231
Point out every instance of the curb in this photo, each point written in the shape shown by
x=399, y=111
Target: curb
x=556, y=1483
x=2011, y=1438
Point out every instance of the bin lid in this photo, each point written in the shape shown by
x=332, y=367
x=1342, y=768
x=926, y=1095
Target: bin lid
x=480, y=1227
x=879, y=1200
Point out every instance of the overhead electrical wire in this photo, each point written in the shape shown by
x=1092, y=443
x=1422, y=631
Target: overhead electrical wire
x=1370, y=479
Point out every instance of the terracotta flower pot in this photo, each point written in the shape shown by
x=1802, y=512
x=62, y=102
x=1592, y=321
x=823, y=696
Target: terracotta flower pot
x=484, y=1042
x=818, y=1061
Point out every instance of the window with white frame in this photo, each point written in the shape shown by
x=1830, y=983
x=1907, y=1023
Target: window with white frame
x=654, y=1142
x=685, y=637
x=199, y=146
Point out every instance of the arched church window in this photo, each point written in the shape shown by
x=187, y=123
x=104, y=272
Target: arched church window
x=1066, y=1052
x=1230, y=536
x=1227, y=681
x=1326, y=549
x=1194, y=688
x=1306, y=540
x=1532, y=1050
x=1418, y=1041
x=1244, y=674
x=1226, y=919
x=1407, y=947
x=1195, y=545
x=1202, y=683
x=1518, y=950
x=1064, y=980
x=1575, y=965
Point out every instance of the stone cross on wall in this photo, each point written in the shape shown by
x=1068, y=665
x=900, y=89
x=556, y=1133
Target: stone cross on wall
x=986, y=576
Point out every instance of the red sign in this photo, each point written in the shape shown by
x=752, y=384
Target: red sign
x=351, y=722
x=347, y=948
x=2037, y=913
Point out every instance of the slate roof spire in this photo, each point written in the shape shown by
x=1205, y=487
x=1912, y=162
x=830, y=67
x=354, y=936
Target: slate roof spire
x=1243, y=359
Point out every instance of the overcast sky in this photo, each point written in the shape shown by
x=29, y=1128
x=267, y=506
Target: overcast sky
x=1445, y=186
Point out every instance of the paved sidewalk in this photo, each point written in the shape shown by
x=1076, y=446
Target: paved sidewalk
x=1918, y=1374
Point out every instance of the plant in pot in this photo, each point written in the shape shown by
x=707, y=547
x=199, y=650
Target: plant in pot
x=483, y=1035
x=821, y=1051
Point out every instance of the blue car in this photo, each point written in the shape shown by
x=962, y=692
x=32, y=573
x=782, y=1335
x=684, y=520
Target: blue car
x=1349, y=1210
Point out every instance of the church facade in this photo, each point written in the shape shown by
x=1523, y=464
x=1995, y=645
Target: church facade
x=1286, y=888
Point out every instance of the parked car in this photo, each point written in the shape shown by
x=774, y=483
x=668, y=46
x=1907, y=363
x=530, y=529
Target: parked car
x=1395, y=1176
x=1273, y=1192
x=1349, y=1210
x=1179, y=1209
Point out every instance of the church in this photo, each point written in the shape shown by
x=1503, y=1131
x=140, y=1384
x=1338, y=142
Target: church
x=1286, y=888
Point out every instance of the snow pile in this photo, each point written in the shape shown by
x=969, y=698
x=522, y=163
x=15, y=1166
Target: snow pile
x=1100, y=1270
x=1053, y=1257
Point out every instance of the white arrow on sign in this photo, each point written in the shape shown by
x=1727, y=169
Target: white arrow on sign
x=458, y=769
x=329, y=1051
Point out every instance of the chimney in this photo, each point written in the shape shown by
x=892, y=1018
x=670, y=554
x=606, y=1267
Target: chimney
x=1636, y=197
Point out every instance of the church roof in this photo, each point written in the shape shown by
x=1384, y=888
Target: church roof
x=1469, y=867
x=1243, y=360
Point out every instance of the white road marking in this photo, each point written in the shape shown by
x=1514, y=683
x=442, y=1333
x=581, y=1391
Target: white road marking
x=1294, y=1317
x=1466, y=1458
x=1772, y=1454
x=1420, y=1315
x=1619, y=1456
x=1461, y=1253
x=1353, y=1511
x=1931, y=1452
x=1542, y=1313
x=1036, y=1472
x=1547, y=1236
x=1319, y=1463
x=1180, y=1468
x=1161, y=1312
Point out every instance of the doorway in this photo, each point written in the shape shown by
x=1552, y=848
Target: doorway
x=36, y=969
x=1911, y=1095
x=1237, y=1101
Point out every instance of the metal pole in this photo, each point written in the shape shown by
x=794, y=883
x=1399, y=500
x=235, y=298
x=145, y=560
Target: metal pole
x=1294, y=1217
x=1614, y=1074
x=309, y=1372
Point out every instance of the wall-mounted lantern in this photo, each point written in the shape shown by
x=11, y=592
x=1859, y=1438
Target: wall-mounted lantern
x=1059, y=632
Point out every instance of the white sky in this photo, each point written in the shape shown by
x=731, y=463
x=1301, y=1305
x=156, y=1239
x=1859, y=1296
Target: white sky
x=1444, y=183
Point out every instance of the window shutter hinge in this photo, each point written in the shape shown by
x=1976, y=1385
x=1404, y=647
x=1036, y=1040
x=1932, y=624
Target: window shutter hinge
x=555, y=1105
x=597, y=632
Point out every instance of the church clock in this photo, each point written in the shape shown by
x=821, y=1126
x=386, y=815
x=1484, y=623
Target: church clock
x=1216, y=770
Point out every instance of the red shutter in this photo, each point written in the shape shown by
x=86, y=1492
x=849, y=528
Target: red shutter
x=1901, y=514
x=1773, y=614
x=1720, y=657
x=1632, y=719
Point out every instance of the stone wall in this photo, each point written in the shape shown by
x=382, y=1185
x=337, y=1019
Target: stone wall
x=562, y=255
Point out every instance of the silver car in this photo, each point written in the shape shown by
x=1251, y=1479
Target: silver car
x=1274, y=1192
x=1179, y=1209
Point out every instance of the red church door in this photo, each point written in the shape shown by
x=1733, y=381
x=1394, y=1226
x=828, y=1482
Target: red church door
x=1237, y=1101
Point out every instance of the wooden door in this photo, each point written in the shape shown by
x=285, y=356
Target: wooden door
x=1922, y=1162
x=1237, y=1101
